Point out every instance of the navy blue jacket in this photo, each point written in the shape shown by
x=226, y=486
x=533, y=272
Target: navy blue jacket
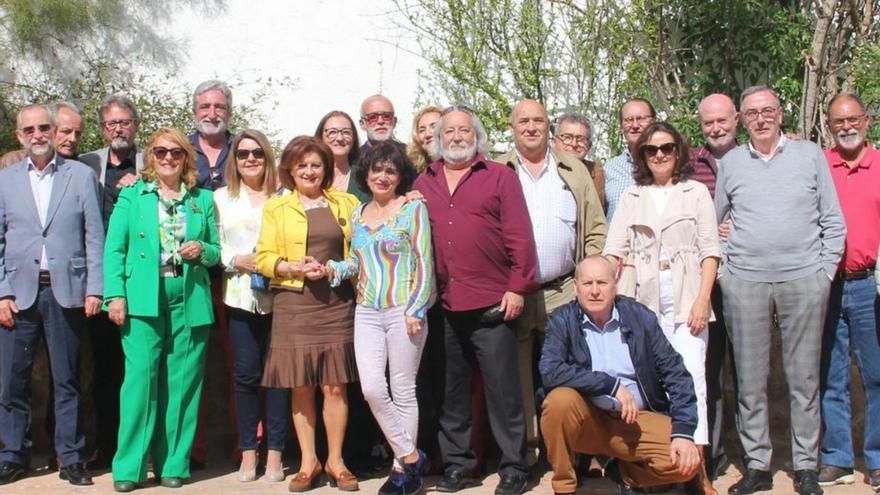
x=665, y=383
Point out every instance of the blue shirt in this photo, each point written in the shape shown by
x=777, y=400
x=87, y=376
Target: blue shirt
x=610, y=354
x=211, y=178
x=618, y=176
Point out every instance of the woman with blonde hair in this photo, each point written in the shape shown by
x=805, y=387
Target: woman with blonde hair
x=419, y=149
x=161, y=240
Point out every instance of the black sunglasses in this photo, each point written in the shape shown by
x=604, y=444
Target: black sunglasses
x=651, y=150
x=258, y=153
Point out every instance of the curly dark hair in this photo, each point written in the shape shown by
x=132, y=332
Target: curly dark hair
x=386, y=151
x=683, y=165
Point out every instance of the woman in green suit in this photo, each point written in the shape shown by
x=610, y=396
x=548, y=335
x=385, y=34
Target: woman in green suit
x=161, y=240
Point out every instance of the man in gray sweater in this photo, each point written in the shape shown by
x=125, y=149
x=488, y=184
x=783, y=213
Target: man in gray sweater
x=786, y=239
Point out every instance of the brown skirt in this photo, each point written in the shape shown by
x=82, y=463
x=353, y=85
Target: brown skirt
x=312, y=337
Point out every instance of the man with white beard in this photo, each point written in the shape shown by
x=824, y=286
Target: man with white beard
x=486, y=263
x=378, y=121
x=212, y=108
x=851, y=325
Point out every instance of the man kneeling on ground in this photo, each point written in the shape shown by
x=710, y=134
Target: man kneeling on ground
x=616, y=388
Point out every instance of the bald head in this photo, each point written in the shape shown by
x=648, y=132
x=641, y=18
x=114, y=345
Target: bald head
x=718, y=120
x=530, y=127
x=377, y=118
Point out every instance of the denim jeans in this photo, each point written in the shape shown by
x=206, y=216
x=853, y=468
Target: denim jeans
x=851, y=325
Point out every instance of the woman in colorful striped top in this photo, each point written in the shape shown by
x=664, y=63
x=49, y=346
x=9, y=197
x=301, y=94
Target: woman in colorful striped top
x=391, y=256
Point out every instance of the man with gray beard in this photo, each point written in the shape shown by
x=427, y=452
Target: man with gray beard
x=378, y=122
x=851, y=324
x=486, y=263
x=212, y=109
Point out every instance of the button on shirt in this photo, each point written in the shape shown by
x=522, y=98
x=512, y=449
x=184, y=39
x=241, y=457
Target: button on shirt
x=618, y=177
x=41, y=187
x=610, y=354
x=211, y=178
x=858, y=190
x=553, y=212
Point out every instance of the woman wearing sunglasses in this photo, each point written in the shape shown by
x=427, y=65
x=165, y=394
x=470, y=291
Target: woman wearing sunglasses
x=665, y=227
x=161, y=240
x=250, y=182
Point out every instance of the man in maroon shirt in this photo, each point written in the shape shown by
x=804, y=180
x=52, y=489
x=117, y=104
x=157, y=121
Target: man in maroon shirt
x=851, y=323
x=718, y=120
x=486, y=261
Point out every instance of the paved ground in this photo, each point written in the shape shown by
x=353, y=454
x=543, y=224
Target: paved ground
x=221, y=482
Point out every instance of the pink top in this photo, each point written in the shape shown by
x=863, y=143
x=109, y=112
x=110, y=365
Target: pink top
x=858, y=190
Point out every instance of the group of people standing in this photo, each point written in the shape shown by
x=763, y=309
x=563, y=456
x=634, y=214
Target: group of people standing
x=539, y=271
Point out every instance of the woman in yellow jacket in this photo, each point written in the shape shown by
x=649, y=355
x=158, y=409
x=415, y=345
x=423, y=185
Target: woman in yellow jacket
x=313, y=327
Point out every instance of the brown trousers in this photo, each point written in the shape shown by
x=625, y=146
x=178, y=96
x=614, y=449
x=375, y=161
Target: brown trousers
x=571, y=424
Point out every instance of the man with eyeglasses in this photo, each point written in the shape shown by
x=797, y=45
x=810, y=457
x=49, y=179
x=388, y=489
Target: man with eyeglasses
x=51, y=280
x=485, y=254
x=718, y=121
x=851, y=324
x=568, y=224
x=573, y=135
x=378, y=122
x=116, y=165
x=635, y=115
x=212, y=109
x=786, y=239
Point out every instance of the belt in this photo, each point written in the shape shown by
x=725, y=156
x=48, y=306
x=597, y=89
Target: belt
x=170, y=271
x=859, y=275
x=664, y=265
x=557, y=280
x=45, y=279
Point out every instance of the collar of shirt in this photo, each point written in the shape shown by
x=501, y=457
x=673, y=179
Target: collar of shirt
x=50, y=168
x=871, y=154
x=776, y=150
x=435, y=168
x=549, y=163
x=611, y=325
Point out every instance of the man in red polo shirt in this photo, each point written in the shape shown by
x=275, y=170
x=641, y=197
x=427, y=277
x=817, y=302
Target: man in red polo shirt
x=851, y=324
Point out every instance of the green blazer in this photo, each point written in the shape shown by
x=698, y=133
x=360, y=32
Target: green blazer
x=131, y=253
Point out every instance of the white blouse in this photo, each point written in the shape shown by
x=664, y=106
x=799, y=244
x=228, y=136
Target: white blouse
x=238, y=224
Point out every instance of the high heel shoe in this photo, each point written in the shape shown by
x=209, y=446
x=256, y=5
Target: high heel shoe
x=302, y=481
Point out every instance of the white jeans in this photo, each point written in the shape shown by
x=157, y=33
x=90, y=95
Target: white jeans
x=380, y=337
x=691, y=348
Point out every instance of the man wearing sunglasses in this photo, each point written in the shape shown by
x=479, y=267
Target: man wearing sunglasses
x=786, y=239
x=378, y=122
x=851, y=325
x=51, y=280
x=568, y=224
x=116, y=165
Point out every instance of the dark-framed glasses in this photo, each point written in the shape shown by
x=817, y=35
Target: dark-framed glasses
x=113, y=124
x=333, y=133
x=258, y=154
x=374, y=117
x=651, y=150
x=43, y=128
x=573, y=138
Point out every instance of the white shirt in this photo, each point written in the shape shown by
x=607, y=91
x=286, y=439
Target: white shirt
x=773, y=153
x=41, y=188
x=553, y=212
x=238, y=225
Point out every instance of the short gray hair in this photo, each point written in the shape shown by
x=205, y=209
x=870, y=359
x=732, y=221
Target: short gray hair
x=852, y=96
x=117, y=100
x=480, y=131
x=33, y=106
x=575, y=118
x=58, y=105
x=213, y=84
x=758, y=89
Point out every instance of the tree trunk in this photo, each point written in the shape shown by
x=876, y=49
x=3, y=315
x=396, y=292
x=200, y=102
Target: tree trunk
x=814, y=69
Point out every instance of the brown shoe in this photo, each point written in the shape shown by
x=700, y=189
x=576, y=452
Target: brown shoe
x=302, y=481
x=345, y=481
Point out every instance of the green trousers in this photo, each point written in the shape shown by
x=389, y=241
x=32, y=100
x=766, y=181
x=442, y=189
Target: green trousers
x=164, y=367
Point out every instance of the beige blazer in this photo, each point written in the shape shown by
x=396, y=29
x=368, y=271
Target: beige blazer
x=687, y=230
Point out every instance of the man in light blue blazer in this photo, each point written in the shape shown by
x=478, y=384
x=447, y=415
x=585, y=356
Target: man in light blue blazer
x=51, y=251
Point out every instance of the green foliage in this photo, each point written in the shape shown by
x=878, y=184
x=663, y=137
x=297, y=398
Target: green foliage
x=865, y=73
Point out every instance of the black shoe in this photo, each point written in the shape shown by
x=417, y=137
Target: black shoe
x=806, y=482
x=511, y=484
x=10, y=471
x=393, y=485
x=834, y=475
x=454, y=481
x=874, y=479
x=123, y=486
x=100, y=460
x=612, y=471
x=171, y=482
x=717, y=466
x=75, y=474
x=196, y=464
x=754, y=481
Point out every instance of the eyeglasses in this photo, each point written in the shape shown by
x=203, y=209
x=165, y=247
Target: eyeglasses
x=636, y=119
x=765, y=113
x=176, y=153
x=457, y=108
x=855, y=121
x=573, y=138
x=333, y=133
x=29, y=130
x=258, y=153
x=651, y=150
x=112, y=124
x=375, y=117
